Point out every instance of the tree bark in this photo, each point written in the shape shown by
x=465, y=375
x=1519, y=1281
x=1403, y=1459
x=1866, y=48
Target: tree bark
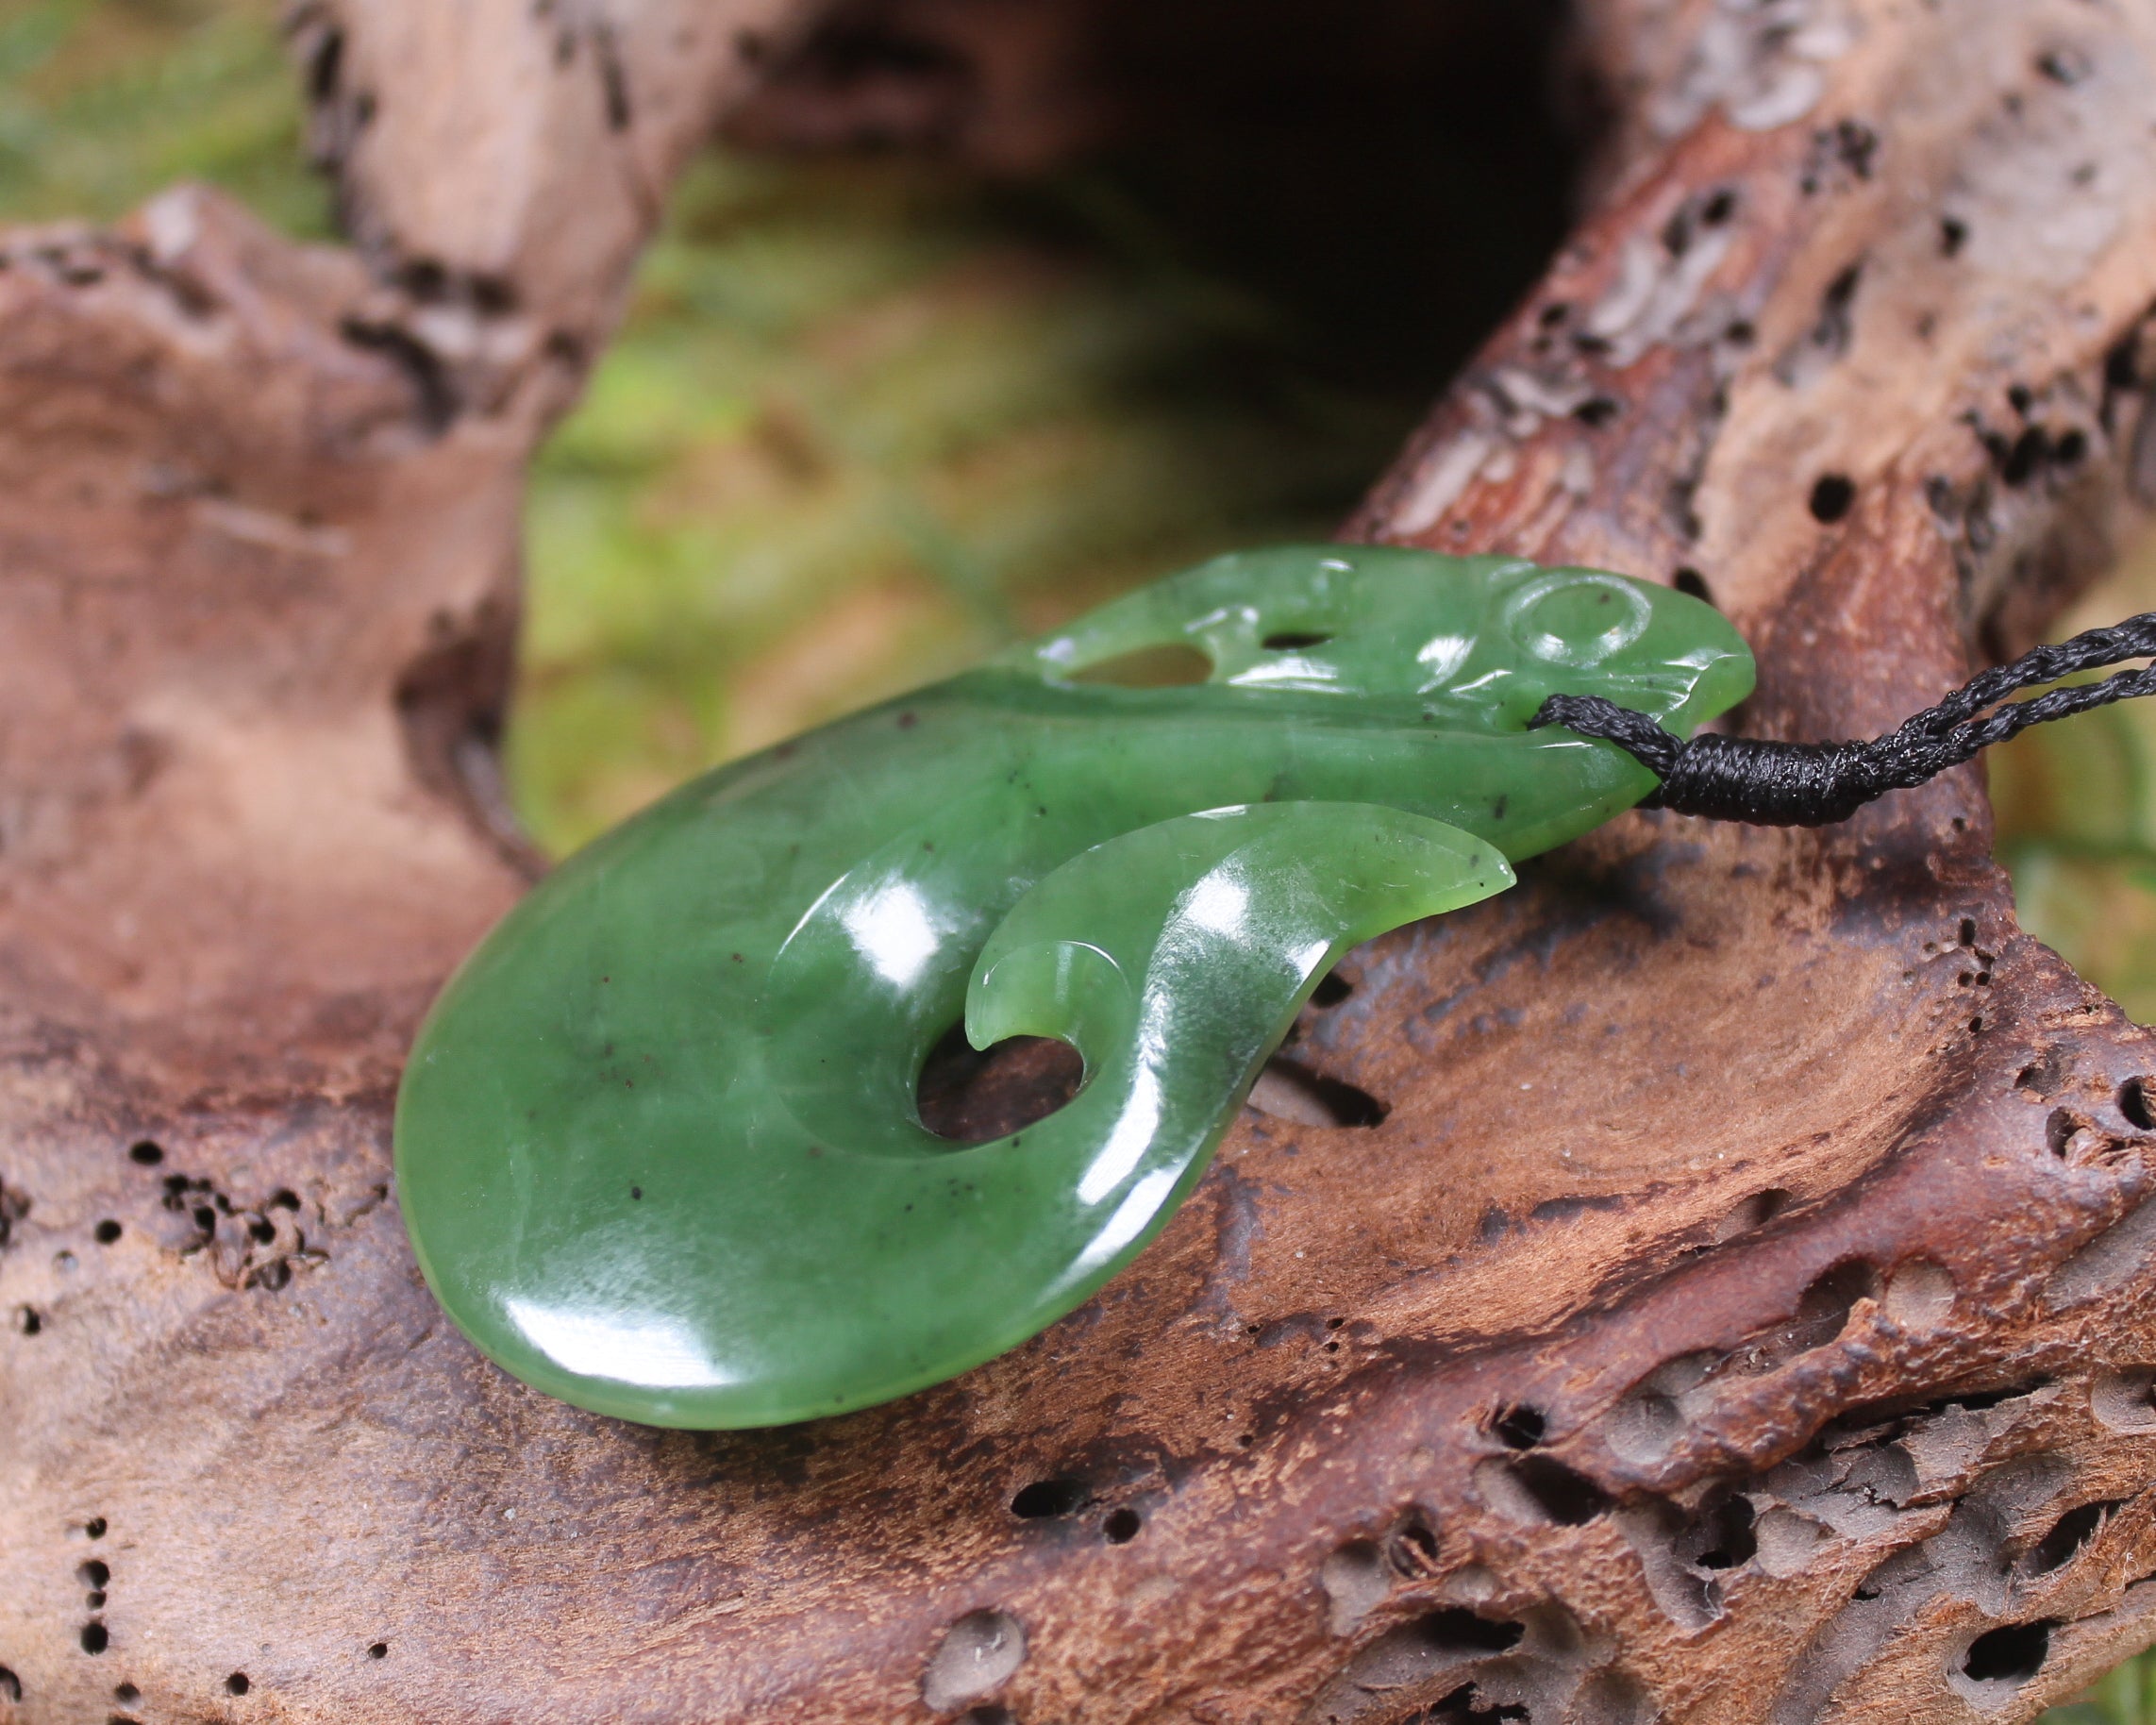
x=1741, y=1311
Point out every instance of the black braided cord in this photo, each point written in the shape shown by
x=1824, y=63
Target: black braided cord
x=1814, y=784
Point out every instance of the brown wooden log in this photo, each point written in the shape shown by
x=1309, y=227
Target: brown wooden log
x=1741, y=1312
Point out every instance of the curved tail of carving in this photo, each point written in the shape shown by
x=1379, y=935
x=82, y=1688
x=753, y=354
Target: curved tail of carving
x=1173, y=959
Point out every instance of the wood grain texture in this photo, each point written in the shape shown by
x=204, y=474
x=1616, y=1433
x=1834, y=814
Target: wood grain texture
x=1741, y=1312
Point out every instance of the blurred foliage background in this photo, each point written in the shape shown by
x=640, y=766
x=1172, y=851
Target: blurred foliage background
x=868, y=420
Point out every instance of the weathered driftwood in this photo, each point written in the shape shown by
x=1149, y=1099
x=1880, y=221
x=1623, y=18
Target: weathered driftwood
x=1742, y=1312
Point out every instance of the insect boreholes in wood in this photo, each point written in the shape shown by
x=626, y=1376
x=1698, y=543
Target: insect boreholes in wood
x=2069, y=1537
x=1063, y=1495
x=2011, y=1654
x=1833, y=493
x=1519, y=1427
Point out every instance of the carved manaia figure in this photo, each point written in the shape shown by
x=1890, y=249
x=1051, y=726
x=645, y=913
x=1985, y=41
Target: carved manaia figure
x=658, y=1145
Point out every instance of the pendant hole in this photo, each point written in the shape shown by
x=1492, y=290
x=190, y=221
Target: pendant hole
x=1122, y=1526
x=1168, y=666
x=972, y=1094
x=1288, y=1090
x=1291, y=640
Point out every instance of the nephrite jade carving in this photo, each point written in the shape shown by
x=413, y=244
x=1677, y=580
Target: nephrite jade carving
x=658, y=1143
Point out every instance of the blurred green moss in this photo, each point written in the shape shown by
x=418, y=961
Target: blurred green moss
x=864, y=424
x=2077, y=818
x=103, y=101
x=867, y=421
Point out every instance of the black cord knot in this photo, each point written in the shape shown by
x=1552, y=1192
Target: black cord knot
x=1813, y=784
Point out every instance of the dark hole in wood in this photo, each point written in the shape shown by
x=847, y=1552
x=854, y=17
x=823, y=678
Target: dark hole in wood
x=94, y=1527
x=94, y=1573
x=1596, y=412
x=10, y=1685
x=1465, y=1706
x=1568, y=1498
x=237, y=1683
x=1519, y=1428
x=1831, y=495
x=146, y=1152
x=2059, y=1128
x=106, y=1231
x=2067, y=66
x=2012, y=1653
x=1413, y=1549
x=2138, y=1104
x=29, y=1321
x=2068, y=1534
x=1692, y=582
x=94, y=1599
x=1457, y=1629
x=1121, y=1527
x=424, y=278
x=1823, y=1308
x=1953, y=235
x=380, y=1649
x=126, y=1692
x=972, y=1094
x=493, y=295
x=1062, y=1496
x=95, y=1639
x=1289, y=641
x=1347, y=1104
x=1725, y=1536
x=1330, y=990
x=2026, y=457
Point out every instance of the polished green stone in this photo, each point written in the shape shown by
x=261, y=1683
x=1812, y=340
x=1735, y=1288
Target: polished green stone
x=658, y=1143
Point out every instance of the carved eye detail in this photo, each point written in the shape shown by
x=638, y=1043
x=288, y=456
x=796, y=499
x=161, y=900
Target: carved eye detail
x=1575, y=620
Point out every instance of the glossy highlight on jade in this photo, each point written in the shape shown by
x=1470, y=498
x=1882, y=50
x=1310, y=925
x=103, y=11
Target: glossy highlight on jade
x=658, y=1143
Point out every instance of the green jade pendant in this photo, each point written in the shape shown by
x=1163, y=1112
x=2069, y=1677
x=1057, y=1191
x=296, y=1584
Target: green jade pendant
x=658, y=1143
